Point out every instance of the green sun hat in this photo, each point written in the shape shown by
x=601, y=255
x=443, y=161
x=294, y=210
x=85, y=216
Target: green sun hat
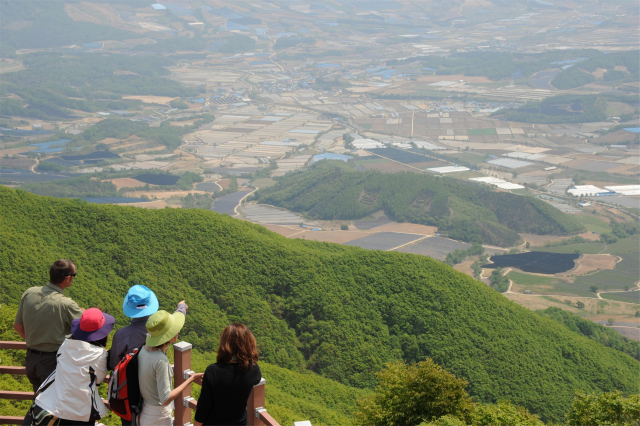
x=163, y=326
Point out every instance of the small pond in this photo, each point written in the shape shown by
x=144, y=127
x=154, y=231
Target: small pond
x=536, y=262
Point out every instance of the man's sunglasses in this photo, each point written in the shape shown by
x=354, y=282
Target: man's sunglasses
x=71, y=275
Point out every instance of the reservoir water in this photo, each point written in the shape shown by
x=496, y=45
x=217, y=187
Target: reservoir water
x=537, y=262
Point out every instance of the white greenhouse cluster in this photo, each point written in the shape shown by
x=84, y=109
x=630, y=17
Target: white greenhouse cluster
x=449, y=169
x=428, y=145
x=586, y=190
x=509, y=163
x=591, y=190
x=276, y=143
x=500, y=183
x=366, y=144
x=625, y=189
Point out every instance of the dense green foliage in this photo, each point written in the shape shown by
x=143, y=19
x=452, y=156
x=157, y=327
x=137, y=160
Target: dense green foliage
x=48, y=166
x=495, y=65
x=607, y=409
x=597, y=332
x=286, y=42
x=458, y=255
x=178, y=104
x=53, y=84
x=238, y=43
x=196, y=201
x=550, y=110
x=502, y=413
x=467, y=212
x=44, y=21
x=410, y=394
x=165, y=134
x=340, y=311
x=499, y=281
x=83, y=186
x=507, y=65
x=575, y=77
x=571, y=78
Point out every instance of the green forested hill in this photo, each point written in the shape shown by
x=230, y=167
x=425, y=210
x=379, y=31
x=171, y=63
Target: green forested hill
x=339, y=311
x=466, y=211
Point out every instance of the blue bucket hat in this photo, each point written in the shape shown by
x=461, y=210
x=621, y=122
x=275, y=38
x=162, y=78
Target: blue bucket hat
x=140, y=302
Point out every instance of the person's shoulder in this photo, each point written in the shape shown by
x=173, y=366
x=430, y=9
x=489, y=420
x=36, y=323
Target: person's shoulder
x=68, y=302
x=30, y=290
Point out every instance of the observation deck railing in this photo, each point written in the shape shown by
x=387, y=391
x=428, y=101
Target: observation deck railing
x=257, y=412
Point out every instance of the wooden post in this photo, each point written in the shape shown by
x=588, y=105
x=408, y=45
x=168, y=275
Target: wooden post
x=256, y=401
x=182, y=364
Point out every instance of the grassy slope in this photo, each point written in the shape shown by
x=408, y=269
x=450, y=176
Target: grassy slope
x=340, y=311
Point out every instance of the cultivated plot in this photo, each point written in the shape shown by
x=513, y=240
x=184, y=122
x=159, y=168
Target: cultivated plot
x=435, y=247
x=370, y=224
x=631, y=296
x=263, y=213
x=383, y=240
x=228, y=203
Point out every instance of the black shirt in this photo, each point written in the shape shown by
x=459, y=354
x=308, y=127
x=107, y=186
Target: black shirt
x=225, y=391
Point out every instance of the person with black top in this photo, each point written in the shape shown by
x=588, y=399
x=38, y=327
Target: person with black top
x=226, y=385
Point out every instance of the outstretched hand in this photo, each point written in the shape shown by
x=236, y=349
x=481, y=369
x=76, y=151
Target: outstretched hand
x=183, y=302
x=196, y=377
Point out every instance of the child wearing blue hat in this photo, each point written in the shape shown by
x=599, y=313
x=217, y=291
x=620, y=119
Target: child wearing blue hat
x=139, y=304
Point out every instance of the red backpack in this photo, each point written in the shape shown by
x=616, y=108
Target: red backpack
x=124, y=388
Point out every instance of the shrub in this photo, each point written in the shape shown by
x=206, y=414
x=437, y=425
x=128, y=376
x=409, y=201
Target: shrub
x=606, y=409
x=410, y=394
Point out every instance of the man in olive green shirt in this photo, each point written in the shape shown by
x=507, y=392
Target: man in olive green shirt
x=44, y=319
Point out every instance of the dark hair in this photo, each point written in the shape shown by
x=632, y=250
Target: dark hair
x=60, y=270
x=237, y=342
x=102, y=342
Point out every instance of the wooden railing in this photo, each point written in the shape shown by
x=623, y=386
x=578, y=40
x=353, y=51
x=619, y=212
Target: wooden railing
x=257, y=413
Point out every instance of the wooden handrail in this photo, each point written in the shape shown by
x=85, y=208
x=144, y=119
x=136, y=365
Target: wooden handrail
x=16, y=395
x=4, y=369
x=257, y=414
x=13, y=345
x=267, y=419
x=11, y=420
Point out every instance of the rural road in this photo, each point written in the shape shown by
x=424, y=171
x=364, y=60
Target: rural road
x=242, y=199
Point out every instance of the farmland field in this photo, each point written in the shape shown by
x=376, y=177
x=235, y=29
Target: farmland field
x=626, y=273
x=627, y=296
x=468, y=158
x=370, y=224
x=478, y=132
x=383, y=240
x=209, y=186
x=435, y=247
x=227, y=203
x=263, y=213
x=399, y=155
x=584, y=248
x=534, y=283
x=263, y=183
x=157, y=179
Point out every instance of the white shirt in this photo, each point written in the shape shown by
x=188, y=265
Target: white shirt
x=71, y=395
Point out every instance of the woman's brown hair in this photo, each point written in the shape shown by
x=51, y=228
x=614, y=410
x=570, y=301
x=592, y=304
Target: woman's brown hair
x=237, y=342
